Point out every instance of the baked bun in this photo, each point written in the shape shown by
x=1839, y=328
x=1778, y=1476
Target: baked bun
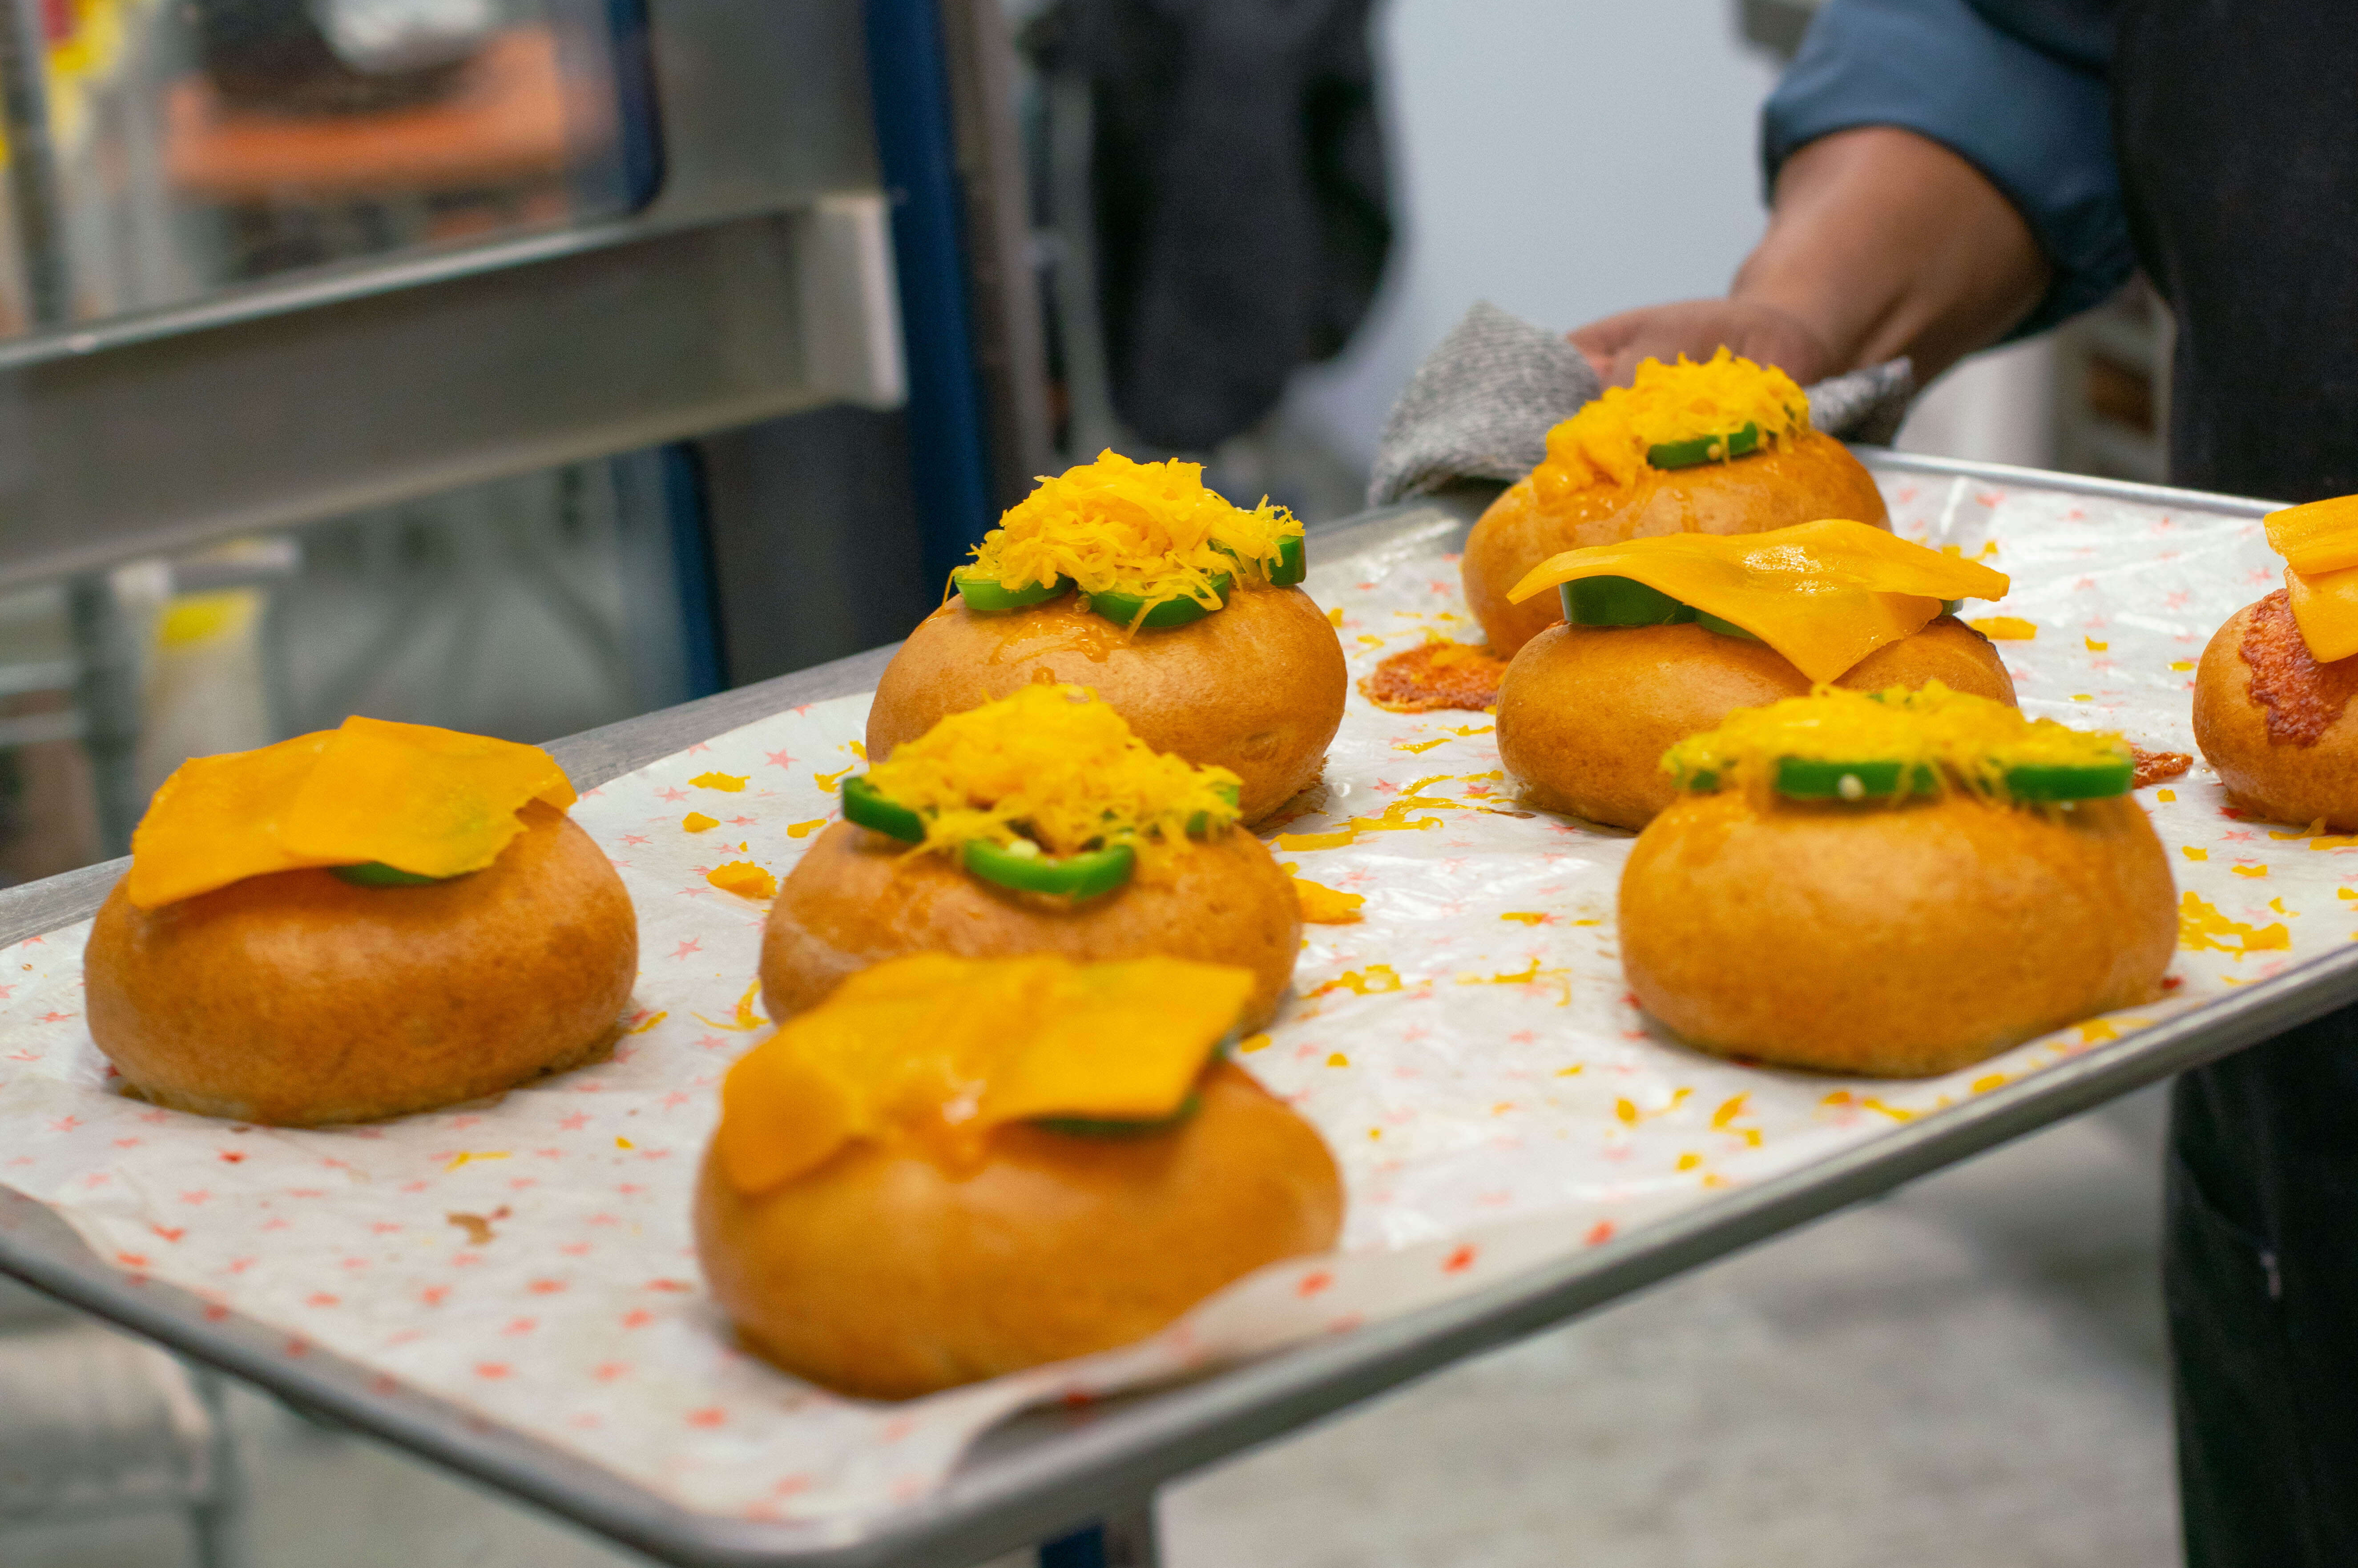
x=1724, y=447
x=887, y=1275
x=857, y=898
x=1256, y=687
x=957, y=1169
x=296, y=999
x=1585, y=712
x=2275, y=722
x=1809, y=476
x=1902, y=933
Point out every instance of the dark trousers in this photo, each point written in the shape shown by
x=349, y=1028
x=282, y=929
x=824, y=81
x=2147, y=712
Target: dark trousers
x=2260, y=1277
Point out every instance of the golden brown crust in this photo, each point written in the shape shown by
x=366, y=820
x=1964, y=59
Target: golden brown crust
x=857, y=898
x=1257, y=687
x=2282, y=778
x=1892, y=941
x=882, y=1274
x=1813, y=477
x=1586, y=712
x=297, y=999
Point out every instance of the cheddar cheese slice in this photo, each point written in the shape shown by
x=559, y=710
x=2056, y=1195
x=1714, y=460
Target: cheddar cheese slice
x=2319, y=545
x=435, y=803
x=1823, y=594
x=939, y=1050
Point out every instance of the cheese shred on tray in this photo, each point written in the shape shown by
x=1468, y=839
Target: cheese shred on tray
x=1053, y=764
x=1608, y=440
x=1150, y=530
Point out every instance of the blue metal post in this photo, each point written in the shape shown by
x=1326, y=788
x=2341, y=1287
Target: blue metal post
x=909, y=85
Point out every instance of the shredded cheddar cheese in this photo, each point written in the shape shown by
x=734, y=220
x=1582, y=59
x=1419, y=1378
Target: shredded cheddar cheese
x=1607, y=441
x=937, y=1051
x=1960, y=740
x=1148, y=529
x=1052, y=764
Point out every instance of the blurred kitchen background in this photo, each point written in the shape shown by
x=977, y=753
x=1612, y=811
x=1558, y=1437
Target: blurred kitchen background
x=521, y=366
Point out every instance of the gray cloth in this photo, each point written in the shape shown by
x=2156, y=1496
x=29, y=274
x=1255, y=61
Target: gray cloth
x=1482, y=403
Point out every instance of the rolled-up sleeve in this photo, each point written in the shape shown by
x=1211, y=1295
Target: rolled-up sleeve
x=2037, y=124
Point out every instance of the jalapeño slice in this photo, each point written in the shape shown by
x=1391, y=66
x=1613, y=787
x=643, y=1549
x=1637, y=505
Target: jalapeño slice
x=1806, y=778
x=1725, y=628
x=1201, y=822
x=1076, y=877
x=377, y=874
x=1619, y=601
x=1122, y=608
x=2089, y=781
x=1293, y=562
x=990, y=597
x=868, y=808
x=1704, y=448
x=1106, y=1127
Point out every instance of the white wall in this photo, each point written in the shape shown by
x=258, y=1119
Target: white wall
x=1563, y=158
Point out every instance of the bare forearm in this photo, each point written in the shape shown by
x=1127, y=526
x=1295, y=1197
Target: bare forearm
x=1882, y=242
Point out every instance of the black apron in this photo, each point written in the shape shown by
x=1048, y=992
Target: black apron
x=2237, y=127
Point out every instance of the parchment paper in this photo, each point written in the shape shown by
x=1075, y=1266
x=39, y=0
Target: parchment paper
x=1468, y=1049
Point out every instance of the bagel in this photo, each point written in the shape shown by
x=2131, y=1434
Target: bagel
x=912, y=1255
x=358, y=923
x=857, y=898
x=1894, y=936
x=297, y=999
x=2276, y=722
x=1257, y=687
x=1585, y=712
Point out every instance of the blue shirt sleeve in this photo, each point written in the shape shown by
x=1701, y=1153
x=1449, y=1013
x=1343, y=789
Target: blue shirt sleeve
x=2037, y=124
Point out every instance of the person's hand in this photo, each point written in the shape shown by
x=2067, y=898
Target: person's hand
x=1697, y=329
x=1881, y=242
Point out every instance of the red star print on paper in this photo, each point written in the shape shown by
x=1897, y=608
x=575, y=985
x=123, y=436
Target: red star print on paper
x=671, y=795
x=779, y=759
x=693, y=945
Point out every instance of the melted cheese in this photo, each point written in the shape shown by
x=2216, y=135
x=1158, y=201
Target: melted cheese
x=1607, y=441
x=1148, y=529
x=1966, y=742
x=1052, y=764
x=938, y=1050
x=1823, y=594
x=432, y=802
x=2319, y=545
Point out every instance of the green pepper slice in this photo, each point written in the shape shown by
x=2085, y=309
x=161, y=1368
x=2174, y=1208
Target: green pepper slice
x=1619, y=601
x=992, y=598
x=1098, y=1127
x=1122, y=608
x=1077, y=877
x=1806, y=778
x=864, y=806
x=1951, y=606
x=1201, y=822
x=1293, y=562
x=377, y=874
x=1725, y=628
x=1704, y=448
x=2092, y=781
